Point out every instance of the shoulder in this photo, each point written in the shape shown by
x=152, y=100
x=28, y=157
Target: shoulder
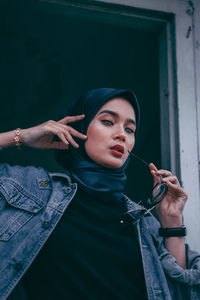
x=30, y=178
x=19, y=172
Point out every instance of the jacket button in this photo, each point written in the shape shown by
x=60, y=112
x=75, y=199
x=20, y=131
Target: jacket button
x=68, y=190
x=18, y=266
x=46, y=224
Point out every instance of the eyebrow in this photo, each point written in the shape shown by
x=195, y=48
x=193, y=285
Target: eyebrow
x=116, y=115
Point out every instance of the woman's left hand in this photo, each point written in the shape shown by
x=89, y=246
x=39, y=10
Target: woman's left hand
x=170, y=210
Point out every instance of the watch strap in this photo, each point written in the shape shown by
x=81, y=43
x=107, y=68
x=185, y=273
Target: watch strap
x=172, y=232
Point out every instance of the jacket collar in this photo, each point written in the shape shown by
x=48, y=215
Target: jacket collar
x=130, y=205
x=61, y=175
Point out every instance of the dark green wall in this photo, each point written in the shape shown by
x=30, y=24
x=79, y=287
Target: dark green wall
x=47, y=59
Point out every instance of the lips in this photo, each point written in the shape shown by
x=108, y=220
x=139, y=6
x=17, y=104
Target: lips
x=118, y=148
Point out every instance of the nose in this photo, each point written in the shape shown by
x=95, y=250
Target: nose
x=120, y=136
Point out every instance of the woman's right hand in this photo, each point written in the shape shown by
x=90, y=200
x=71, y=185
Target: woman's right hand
x=42, y=136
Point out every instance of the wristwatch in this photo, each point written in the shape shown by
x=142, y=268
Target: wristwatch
x=172, y=232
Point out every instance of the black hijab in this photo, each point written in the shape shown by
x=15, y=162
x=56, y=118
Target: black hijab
x=95, y=179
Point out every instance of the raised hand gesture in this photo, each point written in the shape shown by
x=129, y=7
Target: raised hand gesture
x=170, y=210
x=43, y=136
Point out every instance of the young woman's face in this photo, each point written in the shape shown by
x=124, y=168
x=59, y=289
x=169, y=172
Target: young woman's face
x=111, y=134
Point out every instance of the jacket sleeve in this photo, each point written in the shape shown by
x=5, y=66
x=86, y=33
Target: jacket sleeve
x=184, y=284
x=189, y=276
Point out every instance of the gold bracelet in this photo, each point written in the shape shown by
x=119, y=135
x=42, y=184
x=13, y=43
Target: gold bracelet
x=17, y=138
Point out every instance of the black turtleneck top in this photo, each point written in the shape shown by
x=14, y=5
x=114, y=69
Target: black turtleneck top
x=90, y=255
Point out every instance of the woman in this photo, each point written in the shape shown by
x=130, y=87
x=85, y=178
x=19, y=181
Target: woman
x=56, y=248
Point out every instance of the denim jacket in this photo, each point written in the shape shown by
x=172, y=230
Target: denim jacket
x=32, y=201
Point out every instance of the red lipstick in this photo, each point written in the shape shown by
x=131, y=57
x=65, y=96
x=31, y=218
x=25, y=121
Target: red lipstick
x=117, y=150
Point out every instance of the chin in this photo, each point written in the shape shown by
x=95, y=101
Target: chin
x=107, y=162
x=111, y=165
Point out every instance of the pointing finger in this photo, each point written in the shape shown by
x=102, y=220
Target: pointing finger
x=71, y=119
x=76, y=133
x=152, y=167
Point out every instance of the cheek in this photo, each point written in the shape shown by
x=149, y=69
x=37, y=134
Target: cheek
x=95, y=135
x=131, y=144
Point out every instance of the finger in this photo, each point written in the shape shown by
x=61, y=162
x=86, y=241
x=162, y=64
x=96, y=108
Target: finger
x=62, y=131
x=70, y=119
x=173, y=186
x=71, y=140
x=152, y=167
x=164, y=173
x=62, y=144
x=153, y=172
x=64, y=128
x=177, y=189
x=156, y=179
x=77, y=134
x=171, y=179
x=59, y=146
x=63, y=139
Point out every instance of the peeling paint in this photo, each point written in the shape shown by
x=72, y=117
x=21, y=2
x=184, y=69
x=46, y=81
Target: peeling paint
x=190, y=9
x=188, y=32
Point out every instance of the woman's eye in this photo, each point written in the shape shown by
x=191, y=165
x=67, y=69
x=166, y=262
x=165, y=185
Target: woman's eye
x=107, y=122
x=129, y=130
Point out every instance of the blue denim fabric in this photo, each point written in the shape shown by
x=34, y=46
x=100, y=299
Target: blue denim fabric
x=32, y=202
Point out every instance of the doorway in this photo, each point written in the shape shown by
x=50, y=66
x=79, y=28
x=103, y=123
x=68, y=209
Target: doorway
x=53, y=51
